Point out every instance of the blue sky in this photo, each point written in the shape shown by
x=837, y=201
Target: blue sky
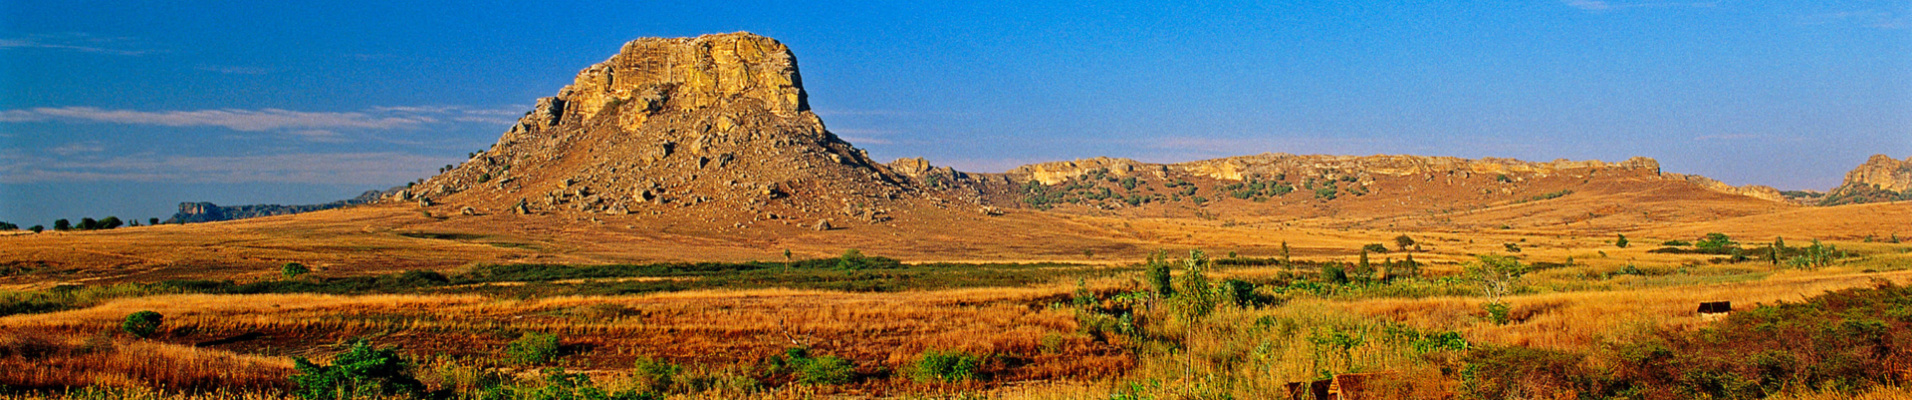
x=127, y=108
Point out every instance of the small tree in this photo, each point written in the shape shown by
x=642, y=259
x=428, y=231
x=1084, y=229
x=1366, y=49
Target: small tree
x=1715, y=242
x=87, y=224
x=361, y=372
x=142, y=324
x=8, y=226
x=1403, y=242
x=62, y=224
x=37, y=229
x=1158, y=276
x=1621, y=242
x=1284, y=254
x=1497, y=276
x=851, y=259
x=152, y=221
x=111, y=222
x=293, y=270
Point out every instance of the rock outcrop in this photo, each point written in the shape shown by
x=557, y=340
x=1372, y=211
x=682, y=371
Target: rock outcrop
x=717, y=123
x=1879, y=179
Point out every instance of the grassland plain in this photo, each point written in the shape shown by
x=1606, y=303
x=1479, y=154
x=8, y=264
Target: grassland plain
x=1041, y=330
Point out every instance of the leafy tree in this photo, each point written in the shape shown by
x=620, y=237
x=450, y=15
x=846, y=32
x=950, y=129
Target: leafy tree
x=142, y=324
x=62, y=224
x=87, y=224
x=293, y=270
x=1621, y=242
x=1374, y=248
x=8, y=226
x=37, y=229
x=851, y=259
x=152, y=221
x=656, y=373
x=1403, y=242
x=361, y=372
x=1334, y=273
x=111, y=222
x=1715, y=242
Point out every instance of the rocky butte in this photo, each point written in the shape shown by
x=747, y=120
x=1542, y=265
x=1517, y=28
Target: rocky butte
x=716, y=125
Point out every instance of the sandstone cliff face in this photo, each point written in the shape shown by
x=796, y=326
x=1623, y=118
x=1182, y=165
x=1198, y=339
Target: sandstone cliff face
x=1880, y=178
x=716, y=124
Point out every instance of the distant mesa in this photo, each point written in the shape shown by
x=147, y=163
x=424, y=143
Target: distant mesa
x=1880, y=179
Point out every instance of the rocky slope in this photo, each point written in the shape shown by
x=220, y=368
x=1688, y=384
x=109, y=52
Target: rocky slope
x=716, y=125
x=1880, y=178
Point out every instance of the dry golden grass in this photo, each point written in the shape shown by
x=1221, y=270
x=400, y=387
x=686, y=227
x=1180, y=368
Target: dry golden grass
x=32, y=359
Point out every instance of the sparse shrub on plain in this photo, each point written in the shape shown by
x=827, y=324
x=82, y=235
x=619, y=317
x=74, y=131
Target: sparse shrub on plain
x=802, y=367
x=947, y=366
x=142, y=324
x=533, y=348
x=655, y=373
x=292, y=270
x=361, y=372
x=1621, y=242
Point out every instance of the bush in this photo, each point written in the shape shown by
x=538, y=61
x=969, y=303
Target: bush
x=827, y=370
x=142, y=324
x=559, y=385
x=1158, y=276
x=362, y=372
x=948, y=366
x=1621, y=242
x=1377, y=248
x=533, y=348
x=658, y=374
x=293, y=270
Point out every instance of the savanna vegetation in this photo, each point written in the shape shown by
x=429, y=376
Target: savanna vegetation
x=1811, y=320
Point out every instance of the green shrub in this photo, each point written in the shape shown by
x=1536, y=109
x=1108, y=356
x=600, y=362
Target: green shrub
x=826, y=370
x=533, y=348
x=1621, y=242
x=1379, y=248
x=559, y=385
x=1496, y=312
x=656, y=373
x=1158, y=276
x=361, y=372
x=948, y=366
x=142, y=324
x=293, y=270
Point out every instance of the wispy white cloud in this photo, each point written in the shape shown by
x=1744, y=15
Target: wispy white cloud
x=233, y=70
x=1603, y=5
x=315, y=126
x=375, y=168
x=77, y=148
x=78, y=42
x=1877, y=19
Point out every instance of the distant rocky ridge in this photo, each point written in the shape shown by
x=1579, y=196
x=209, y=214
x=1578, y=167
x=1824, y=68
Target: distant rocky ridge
x=193, y=212
x=1879, y=179
x=1363, y=168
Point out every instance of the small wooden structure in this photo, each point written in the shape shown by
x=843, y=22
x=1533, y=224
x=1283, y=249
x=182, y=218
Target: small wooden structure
x=1716, y=307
